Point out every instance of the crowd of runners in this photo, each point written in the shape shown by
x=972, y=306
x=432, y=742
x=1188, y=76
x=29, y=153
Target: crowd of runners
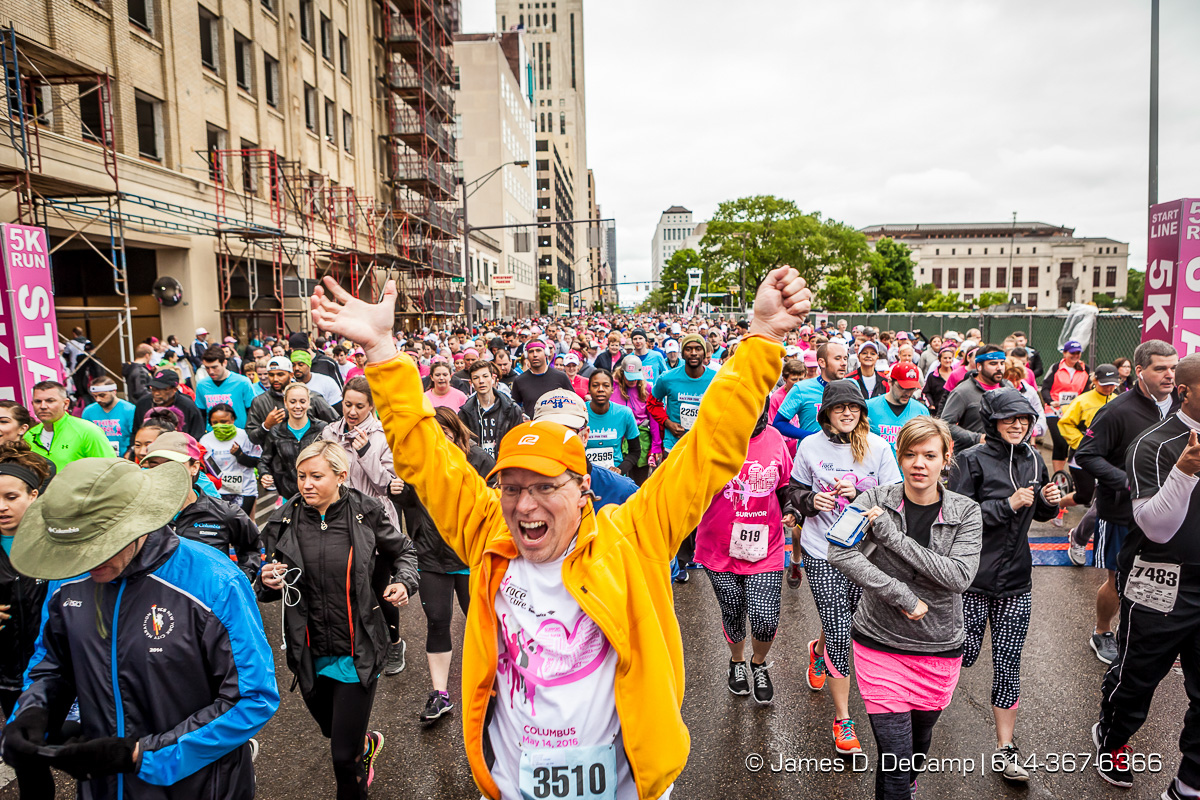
x=554, y=478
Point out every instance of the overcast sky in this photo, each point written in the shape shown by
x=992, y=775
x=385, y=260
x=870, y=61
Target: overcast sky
x=886, y=111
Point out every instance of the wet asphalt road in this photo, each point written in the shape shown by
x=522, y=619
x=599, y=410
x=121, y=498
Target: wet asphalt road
x=1060, y=701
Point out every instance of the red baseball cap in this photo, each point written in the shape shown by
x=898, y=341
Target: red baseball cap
x=906, y=375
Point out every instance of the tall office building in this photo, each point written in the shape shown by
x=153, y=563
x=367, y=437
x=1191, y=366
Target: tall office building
x=496, y=130
x=554, y=32
x=674, y=226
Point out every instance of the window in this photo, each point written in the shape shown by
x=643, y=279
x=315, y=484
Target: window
x=215, y=140
x=243, y=51
x=968, y=279
x=1096, y=277
x=937, y=278
x=1001, y=251
x=968, y=251
x=937, y=251
x=310, y=108
x=347, y=132
x=149, y=126
x=269, y=5
x=952, y=249
x=1033, y=278
x=249, y=176
x=141, y=13
x=330, y=121
x=326, y=39
x=271, y=80
x=210, y=38
x=306, y=21
x=985, y=277
x=1018, y=251
x=1065, y=269
x=344, y=54
x=1035, y=251
x=985, y=251
x=1017, y=275
x=953, y=274
x=90, y=122
x=562, y=122
x=542, y=145
x=1110, y=276
x=1001, y=277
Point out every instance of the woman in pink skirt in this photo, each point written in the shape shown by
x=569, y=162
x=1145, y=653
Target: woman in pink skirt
x=919, y=555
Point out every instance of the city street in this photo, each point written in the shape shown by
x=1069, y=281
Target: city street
x=1061, y=684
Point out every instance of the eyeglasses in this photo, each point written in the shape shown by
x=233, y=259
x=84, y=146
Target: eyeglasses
x=538, y=491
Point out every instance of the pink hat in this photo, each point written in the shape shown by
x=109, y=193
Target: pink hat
x=810, y=358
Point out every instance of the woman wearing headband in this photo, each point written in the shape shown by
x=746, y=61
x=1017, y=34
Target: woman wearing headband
x=21, y=474
x=15, y=420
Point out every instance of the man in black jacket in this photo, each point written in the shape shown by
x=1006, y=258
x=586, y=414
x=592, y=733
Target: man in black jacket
x=488, y=414
x=137, y=374
x=321, y=363
x=204, y=519
x=961, y=411
x=1102, y=453
x=164, y=391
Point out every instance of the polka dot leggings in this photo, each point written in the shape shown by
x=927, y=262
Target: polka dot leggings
x=756, y=595
x=836, y=598
x=1009, y=617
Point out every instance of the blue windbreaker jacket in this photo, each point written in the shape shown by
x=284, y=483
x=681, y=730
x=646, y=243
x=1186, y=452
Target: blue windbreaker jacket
x=172, y=652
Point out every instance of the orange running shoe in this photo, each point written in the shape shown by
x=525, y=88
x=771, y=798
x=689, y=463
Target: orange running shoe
x=844, y=737
x=816, y=668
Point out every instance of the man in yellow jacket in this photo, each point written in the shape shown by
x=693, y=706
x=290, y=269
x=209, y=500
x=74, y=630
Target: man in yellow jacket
x=572, y=659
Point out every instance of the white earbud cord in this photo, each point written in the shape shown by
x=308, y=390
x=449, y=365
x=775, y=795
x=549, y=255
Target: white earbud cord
x=290, y=597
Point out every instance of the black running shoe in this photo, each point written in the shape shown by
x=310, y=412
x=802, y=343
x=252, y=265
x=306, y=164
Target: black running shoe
x=764, y=690
x=395, y=658
x=437, y=706
x=1113, y=765
x=739, y=684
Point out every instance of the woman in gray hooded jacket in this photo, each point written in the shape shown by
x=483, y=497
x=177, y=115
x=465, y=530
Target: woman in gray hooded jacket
x=918, y=557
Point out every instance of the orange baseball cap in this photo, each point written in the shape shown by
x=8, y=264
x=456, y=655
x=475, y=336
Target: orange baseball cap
x=546, y=448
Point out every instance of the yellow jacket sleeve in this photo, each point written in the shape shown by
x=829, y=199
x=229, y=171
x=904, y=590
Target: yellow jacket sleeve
x=1069, y=422
x=670, y=504
x=462, y=506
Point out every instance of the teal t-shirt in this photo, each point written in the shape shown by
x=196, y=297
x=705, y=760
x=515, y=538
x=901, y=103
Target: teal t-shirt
x=681, y=394
x=299, y=432
x=6, y=543
x=886, y=423
x=804, y=401
x=338, y=668
x=606, y=432
x=116, y=424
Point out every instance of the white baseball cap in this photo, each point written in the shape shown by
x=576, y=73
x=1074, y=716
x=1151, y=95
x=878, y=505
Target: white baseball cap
x=565, y=408
x=201, y=332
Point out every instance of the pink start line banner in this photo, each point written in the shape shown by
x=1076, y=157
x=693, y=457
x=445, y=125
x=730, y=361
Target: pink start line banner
x=1172, y=299
x=28, y=327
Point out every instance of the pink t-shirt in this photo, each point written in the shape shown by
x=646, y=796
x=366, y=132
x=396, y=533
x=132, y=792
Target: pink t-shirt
x=746, y=512
x=641, y=415
x=454, y=399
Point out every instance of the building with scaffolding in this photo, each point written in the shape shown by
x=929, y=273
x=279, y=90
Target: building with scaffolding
x=243, y=151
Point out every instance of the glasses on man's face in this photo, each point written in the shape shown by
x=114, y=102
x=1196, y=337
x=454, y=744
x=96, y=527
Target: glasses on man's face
x=538, y=491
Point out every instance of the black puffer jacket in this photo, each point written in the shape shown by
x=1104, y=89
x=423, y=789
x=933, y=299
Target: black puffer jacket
x=433, y=554
x=488, y=427
x=17, y=638
x=369, y=530
x=270, y=400
x=280, y=451
x=989, y=473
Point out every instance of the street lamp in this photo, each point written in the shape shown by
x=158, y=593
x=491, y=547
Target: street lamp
x=475, y=186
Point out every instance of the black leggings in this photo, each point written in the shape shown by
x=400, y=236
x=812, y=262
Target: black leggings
x=903, y=738
x=437, y=598
x=391, y=613
x=343, y=710
x=1061, y=448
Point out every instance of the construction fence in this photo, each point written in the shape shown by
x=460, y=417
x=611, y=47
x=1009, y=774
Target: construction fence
x=1115, y=334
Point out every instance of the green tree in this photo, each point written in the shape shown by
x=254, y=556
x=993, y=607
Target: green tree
x=926, y=298
x=750, y=236
x=548, y=295
x=895, y=306
x=1103, y=301
x=1134, y=298
x=989, y=299
x=840, y=293
x=891, y=271
x=658, y=300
